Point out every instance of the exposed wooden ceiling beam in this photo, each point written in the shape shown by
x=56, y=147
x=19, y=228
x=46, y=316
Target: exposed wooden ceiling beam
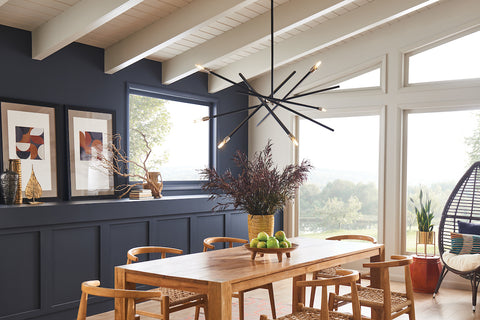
x=321, y=36
x=167, y=31
x=287, y=16
x=74, y=23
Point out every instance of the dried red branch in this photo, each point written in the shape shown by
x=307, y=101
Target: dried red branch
x=261, y=188
x=116, y=161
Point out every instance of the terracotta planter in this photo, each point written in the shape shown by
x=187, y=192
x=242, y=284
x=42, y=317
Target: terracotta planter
x=259, y=223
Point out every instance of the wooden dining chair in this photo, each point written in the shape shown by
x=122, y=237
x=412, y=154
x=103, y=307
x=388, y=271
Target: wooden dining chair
x=331, y=272
x=342, y=277
x=384, y=301
x=93, y=288
x=171, y=300
x=208, y=244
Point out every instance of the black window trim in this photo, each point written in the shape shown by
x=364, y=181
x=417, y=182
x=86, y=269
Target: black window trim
x=178, y=187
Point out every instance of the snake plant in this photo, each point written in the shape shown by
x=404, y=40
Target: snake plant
x=424, y=214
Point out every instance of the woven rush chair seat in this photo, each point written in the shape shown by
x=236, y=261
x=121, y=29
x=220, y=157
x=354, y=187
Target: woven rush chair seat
x=342, y=276
x=314, y=314
x=331, y=272
x=170, y=300
x=177, y=297
x=383, y=301
x=373, y=297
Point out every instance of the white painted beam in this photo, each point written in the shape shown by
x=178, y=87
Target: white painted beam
x=2, y=2
x=82, y=18
x=287, y=16
x=321, y=36
x=167, y=31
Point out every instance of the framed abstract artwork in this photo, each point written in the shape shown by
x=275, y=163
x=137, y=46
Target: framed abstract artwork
x=28, y=134
x=89, y=132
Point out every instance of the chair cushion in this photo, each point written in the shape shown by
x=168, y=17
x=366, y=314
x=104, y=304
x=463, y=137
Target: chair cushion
x=462, y=262
x=465, y=243
x=470, y=228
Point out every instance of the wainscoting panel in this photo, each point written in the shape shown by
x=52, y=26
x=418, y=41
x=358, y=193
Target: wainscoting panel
x=20, y=273
x=75, y=258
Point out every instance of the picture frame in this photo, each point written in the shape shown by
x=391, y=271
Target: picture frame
x=29, y=134
x=88, y=131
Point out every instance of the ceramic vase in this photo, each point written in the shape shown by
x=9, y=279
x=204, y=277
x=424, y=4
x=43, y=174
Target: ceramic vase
x=8, y=186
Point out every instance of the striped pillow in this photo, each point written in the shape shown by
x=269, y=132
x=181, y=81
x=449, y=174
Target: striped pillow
x=465, y=243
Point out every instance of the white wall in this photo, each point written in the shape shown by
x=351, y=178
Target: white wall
x=385, y=47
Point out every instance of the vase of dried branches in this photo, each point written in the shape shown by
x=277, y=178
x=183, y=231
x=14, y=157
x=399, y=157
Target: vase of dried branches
x=259, y=223
x=154, y=183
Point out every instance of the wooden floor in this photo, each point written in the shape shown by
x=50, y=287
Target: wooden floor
x=450, y=304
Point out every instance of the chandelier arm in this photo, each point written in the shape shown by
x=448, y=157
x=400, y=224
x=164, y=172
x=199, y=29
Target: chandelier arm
x=231, y=112
x=304, y=116
x=265, y=104
x=226, y=79
x=312, y=70
x=278, y=101
x=312, y=92
x=284, y=81
x=297, y=104
x=244, y=121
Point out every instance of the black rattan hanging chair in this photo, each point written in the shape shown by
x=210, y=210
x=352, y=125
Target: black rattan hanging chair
x=464, y=205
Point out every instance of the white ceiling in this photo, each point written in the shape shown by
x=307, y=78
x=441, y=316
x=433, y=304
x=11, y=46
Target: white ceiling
x=227, y=36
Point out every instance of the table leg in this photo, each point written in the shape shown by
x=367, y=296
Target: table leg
x=219, y=301
x=121, y=283
x=298, y=293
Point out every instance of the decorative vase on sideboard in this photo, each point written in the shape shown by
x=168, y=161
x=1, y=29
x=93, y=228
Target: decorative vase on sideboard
x=16, y=166
x=259, y=223
x=8, y=186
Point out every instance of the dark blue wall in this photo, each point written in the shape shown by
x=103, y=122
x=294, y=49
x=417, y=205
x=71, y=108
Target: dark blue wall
x=49, y=249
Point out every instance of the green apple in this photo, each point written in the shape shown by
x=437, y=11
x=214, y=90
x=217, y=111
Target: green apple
x=284, y=244
x=261, y=244
x=288, y=243
x=262, y=236
x=272, y=242
x=254, y=243
x=280, y=235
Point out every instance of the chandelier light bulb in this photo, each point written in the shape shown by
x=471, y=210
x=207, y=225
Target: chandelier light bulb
x=315, y=67
x=294, y=140
x=322, y=109
x=223, y=142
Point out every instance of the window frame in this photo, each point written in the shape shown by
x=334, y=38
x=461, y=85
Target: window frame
x=178, y=187
x=433, y=44
x=353, y=111
x=415, y=109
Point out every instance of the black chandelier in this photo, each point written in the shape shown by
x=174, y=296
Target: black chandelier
x=269, y=102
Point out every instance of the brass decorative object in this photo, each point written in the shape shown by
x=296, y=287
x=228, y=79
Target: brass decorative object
x=425, y=238
x=33, y=190
x=16, y=166
x=154, y=184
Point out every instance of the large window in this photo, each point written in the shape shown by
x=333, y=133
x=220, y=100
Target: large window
x=454, y=60
x=441, y=146
x=180, y=147
x=341, y=195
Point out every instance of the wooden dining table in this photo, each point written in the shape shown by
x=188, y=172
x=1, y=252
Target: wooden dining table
x=219, y=273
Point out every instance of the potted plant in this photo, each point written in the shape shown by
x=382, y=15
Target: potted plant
x=424, y=213
x=260, y=189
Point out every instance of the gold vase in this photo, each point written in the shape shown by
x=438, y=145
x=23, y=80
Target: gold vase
x=259, y=223
x=15, y=166
x=425, y=237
